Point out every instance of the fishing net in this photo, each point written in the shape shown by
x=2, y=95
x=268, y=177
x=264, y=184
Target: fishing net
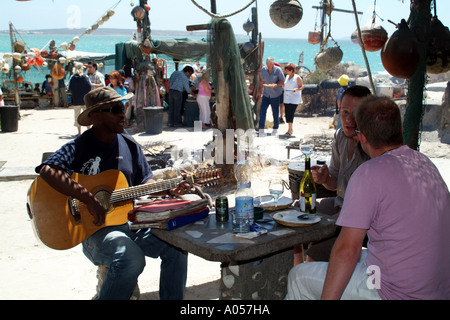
x=224, y=55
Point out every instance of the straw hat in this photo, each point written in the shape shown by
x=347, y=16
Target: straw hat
x=97, y=99
x=343, y=80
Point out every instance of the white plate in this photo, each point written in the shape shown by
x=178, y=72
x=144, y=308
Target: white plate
x=289, y=218
x=268, y=203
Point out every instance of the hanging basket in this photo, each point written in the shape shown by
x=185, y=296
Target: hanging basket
x=400, y=54
x=286, y=13
x=314, y=37
x=374, y=36
x=438, y=48
x=329, y=58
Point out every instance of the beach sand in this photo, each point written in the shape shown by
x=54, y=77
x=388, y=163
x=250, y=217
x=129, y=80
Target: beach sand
x=30, y=270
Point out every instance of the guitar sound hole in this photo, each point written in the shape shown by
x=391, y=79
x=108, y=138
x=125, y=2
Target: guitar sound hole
x=103, y=197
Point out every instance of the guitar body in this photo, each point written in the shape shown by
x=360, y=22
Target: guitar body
x=61, y=222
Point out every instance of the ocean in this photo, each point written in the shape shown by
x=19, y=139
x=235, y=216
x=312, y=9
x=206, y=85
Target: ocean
x=283, y=50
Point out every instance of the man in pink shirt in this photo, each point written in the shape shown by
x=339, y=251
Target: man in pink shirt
x=399, y=199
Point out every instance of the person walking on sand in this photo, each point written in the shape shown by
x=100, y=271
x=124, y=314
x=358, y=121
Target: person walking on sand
x=79, y=85
x=293, y=86
x=272, y=80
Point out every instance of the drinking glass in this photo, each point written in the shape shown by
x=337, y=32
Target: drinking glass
x=276, y=189
x=307, y=146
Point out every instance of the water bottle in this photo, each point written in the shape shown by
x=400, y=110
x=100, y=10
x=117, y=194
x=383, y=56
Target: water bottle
x=243, y=214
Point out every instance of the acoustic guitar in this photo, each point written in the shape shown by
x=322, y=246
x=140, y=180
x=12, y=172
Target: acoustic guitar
x=62, y=222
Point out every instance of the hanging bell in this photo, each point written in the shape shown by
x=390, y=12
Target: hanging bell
x=248, y=26
x=286, y=13
x=400, y=54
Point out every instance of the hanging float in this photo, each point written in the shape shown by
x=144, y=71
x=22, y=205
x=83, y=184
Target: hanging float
x=374, y=36
x=400, y=54
x=330, y=57
x=286, y=13
x=438, y=48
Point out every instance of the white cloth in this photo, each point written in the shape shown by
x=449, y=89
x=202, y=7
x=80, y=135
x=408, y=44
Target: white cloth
x=289, y=95
x=305, y=282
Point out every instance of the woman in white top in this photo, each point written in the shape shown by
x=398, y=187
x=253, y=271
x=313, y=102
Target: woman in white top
x=293, y=86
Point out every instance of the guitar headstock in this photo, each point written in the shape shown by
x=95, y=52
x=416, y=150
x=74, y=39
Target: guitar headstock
x=206, y=176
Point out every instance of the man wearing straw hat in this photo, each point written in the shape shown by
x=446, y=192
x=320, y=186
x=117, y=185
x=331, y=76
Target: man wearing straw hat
x=118, y=248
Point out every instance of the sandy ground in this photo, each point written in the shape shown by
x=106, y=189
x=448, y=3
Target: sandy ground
x=30, y=270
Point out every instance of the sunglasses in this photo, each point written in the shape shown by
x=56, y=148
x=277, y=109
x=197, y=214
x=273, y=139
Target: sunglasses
x=114, y=109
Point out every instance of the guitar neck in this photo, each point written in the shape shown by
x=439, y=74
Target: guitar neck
x=143, y=190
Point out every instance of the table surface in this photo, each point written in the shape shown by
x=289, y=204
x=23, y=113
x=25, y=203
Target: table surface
x=214, y=241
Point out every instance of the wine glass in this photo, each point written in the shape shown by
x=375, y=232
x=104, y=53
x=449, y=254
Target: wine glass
x=276, y=189
x=307, y=146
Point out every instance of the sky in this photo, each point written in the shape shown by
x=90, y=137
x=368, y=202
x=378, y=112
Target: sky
x=176, y=14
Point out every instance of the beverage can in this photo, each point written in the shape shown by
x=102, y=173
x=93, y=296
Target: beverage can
x=222, y=209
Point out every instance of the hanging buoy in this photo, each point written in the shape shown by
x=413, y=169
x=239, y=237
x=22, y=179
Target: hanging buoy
x=286, y=13
x=314, y=37
x=374, y=36
x=400, y=54
x=329, y=58
x=438, y=48
x=248, y=26
x=138, y=13
x=354, y=37
x=18, y=46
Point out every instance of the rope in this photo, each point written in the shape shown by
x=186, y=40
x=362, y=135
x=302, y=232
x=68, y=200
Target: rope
x=220, y=16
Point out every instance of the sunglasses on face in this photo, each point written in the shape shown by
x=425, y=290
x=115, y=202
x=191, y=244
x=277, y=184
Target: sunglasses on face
x=117, y=109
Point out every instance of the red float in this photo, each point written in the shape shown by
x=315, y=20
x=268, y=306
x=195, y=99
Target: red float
x=374, y=36
x=314, y=37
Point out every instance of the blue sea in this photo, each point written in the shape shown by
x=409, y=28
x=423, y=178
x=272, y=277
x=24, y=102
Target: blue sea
x=283, y=50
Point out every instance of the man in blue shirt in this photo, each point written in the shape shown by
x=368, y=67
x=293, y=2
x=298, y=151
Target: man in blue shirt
x=273, y=80
x=119, y=249
x=178, y=81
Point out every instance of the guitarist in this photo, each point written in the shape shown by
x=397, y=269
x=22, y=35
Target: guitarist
x=118, y=248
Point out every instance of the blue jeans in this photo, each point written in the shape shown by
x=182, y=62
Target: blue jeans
x=123, y=251
x=275, y=104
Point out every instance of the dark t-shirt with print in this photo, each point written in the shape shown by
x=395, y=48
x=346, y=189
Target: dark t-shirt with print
x=89, y=156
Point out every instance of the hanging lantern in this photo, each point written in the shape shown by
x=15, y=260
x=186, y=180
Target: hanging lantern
x=374, y=36
x=138, y=13
x=314, y=37
x=438, y=48
x=286, y=13
x=329, y=58
x=400, y=54
x=248, y=26
x=354, y=37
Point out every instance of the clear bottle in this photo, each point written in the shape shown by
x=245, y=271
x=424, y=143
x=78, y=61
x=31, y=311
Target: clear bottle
x=243, y=215
x=308, y=190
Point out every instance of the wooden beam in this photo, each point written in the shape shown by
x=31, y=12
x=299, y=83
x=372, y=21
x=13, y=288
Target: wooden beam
x=197, y=27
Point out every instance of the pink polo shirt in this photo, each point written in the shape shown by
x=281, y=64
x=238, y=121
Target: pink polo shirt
x=403, y=202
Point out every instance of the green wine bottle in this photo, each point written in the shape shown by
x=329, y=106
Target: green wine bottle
x=308, y=190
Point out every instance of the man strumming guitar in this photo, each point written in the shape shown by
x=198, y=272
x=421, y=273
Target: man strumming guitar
x=118, y=248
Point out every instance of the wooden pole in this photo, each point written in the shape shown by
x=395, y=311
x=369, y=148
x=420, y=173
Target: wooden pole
x=363, y=49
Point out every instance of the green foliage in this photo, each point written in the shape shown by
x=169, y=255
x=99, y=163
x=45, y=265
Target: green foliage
x=315, y=77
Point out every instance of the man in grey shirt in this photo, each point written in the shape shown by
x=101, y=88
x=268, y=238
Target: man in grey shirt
x=346, y=156
x=273, y=81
